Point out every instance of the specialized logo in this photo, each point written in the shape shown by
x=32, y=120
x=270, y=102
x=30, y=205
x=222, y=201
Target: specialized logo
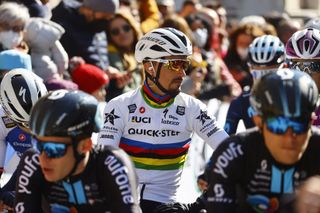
x=203, y=117
x=22, y=93
x=165, y=113
x=132, y=108
x=137, y=119
x=180, y=110
x=57, y=94
x=110, y=117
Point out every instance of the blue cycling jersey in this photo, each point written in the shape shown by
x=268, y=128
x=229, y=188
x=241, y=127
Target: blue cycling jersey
x=239, y=109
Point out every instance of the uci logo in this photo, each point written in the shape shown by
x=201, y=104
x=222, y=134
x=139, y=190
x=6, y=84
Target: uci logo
x=136, y=119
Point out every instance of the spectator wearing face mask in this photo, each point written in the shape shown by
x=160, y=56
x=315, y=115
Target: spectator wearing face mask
x=237, y=55
x=13, y=18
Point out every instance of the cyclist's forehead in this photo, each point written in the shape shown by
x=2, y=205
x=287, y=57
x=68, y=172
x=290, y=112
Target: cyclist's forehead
x=65, y=140
x=183, y=57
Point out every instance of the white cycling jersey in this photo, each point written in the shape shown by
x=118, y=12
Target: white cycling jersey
x=6, y=124
x=157, y=137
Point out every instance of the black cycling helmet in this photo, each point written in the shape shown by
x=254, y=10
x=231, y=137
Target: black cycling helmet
x=287, y=92
x=266, y=50
x=64, y=113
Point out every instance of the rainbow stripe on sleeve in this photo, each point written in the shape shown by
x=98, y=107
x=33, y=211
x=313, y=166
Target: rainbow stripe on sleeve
x=156, y=156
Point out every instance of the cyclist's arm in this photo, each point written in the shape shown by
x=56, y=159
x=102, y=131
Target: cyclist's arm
x=28, y=185
x=118, y=181
x=5, y=125
x=113, y=125
x=227, y=170
x=206, y=126
x=233, y=117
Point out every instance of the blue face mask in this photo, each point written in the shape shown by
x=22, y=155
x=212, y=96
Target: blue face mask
x=280, y=124
x=52, y=149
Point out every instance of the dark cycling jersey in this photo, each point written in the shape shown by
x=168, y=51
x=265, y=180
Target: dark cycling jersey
x=108, y=184
x=239, y=109
x=244, y=160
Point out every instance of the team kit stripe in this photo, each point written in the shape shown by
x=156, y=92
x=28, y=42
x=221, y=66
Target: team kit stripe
x=161, y=154
x=156, y=156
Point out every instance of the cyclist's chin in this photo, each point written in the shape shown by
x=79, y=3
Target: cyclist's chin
x=51, y=175
x=289, y=156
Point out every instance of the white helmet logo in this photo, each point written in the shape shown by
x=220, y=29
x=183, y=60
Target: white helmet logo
x=22, y=93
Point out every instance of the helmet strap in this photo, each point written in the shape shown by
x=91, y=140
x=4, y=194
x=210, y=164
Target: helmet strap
x=79, y=157
x=155, y=80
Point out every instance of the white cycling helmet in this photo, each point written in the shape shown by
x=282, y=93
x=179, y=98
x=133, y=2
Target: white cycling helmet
x=304, y=44
x=19, y=91
x=313, y=23
x=162, y=42
x=266, y=50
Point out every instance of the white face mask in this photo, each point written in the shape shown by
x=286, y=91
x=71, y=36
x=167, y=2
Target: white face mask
x=256, y=74
x=10, y=39
x=242, y=52
x=200, y=36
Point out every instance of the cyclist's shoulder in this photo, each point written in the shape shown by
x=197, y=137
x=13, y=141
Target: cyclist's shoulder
x=249, y=138
x=107, y=155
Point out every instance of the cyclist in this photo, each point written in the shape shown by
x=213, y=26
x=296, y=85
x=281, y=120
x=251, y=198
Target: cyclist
x=257, y=170
x=19, y=90
x=266, y=54
x=66, y=172
x=303, y=53
x=154, y=123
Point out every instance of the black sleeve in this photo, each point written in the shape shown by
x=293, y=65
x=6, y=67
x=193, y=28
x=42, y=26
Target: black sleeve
x=28, y=195
x=227, y=168
x=119, y=181
x=233, y=116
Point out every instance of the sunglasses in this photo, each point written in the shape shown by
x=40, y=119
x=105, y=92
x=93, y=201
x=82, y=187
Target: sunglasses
x=52, y=149
x=308, y=67
x=116, y=31
x=174, y=64
x=280, y=124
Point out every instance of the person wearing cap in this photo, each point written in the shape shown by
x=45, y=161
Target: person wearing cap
x=91, y=79
x=84, y=23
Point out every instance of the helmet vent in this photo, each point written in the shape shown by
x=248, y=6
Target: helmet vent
x=171, y=41
x=12, y=107
x=316, y=44
x=141, y=47
x=157, y=48
x=306, y=45
x=176, y=51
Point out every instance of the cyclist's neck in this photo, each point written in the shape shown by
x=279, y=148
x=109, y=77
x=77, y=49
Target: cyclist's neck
x=150, y=95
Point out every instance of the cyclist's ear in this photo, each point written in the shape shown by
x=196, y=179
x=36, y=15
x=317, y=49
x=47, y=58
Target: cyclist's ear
x=85, y=145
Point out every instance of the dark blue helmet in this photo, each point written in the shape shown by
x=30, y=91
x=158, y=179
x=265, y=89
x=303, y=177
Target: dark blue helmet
x=64, y=113
x=287, y=92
